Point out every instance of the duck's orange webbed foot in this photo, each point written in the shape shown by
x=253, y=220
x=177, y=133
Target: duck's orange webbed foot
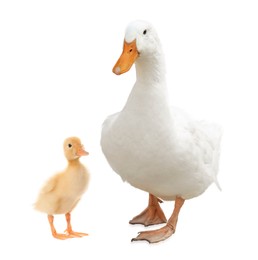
x=152, y=215
x=154, y=236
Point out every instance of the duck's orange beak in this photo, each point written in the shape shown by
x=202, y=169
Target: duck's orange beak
x=127, y=58
x=82, y=152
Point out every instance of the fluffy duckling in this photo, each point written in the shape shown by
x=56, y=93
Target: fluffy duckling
x=62, y=192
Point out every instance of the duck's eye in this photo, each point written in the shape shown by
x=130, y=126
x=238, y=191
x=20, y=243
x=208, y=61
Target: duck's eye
x=69, y=145
x=144, y=32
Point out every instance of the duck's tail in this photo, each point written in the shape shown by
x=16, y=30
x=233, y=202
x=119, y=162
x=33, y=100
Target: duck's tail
x=217, y=183
x=217, y=140
x=214, y=135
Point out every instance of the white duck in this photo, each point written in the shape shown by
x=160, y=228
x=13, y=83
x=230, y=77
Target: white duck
x=152, y=146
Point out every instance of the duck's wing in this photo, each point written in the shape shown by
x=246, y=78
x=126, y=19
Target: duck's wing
x=202, y=136
x=207, y=137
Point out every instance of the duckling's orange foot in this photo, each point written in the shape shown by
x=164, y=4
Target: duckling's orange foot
x=59, y=236
x=155, y=236
x=152, y=215
x=71, y=234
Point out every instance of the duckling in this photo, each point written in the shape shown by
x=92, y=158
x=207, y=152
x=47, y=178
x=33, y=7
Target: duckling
x=62, y=192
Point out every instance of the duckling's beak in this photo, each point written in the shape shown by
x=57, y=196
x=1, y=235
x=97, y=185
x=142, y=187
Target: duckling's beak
x=127, y=58
x=82, y=152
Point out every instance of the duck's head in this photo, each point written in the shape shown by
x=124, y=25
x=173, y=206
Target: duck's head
x=141, y=40
x=73, y=148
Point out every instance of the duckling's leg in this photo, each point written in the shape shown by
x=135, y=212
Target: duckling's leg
x=152, y=215
x=69, y=230
x=154, y=236
x=53, y=230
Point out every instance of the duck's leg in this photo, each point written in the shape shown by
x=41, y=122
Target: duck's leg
x=69, y=230
x=152, y=215
x=53, y=230
x=154, y=236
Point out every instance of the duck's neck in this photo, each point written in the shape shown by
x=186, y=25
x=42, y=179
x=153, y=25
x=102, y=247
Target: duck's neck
x=149, y=91
x=151, y=69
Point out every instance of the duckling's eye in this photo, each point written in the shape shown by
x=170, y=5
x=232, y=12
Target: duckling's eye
x=69, y=145
x=144, y=32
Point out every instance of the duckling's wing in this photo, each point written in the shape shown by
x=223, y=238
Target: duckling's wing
x=50, y=185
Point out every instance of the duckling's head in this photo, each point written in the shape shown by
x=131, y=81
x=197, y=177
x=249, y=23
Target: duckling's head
x=73, y=148
x=141, y=40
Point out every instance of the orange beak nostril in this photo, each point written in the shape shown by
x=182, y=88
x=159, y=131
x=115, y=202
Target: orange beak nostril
x=127, y=58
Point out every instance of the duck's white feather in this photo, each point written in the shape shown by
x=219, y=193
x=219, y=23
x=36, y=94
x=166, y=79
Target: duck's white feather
x=157, y=148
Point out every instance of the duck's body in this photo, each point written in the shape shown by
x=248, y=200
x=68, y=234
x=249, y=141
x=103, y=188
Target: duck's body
x=151, y=145
x=180, y=159
x=62, y=192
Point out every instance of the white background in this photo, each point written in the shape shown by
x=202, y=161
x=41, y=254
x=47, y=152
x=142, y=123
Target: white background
x=56, y=81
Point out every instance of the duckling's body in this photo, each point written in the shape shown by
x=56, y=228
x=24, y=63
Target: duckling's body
x=62, y=192
x=74, y=181
x=153, y=146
